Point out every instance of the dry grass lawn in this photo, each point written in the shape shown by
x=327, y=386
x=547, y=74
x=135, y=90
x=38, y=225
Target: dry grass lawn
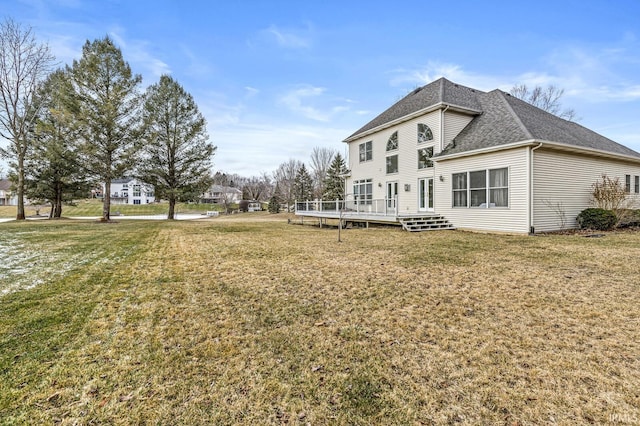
x=248, y=320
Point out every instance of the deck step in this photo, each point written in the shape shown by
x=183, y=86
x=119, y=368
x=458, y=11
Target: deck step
x=425, y=223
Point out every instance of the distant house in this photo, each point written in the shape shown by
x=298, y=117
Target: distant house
x=7, y=197
x=447, y=155
x=218, y=194
x=129, y=190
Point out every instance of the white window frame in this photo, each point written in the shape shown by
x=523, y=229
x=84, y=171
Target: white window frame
x=365, y=151
x=429, y=163
x=360, y=193
x=424, y=136
x=387, y=164
x=467, y=190
x=392, y=142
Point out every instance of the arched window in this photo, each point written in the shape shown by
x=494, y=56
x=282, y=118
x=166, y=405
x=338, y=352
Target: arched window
x=392, y=143
x=424, y=133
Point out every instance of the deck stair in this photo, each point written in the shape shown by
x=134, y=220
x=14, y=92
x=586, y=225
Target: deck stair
x=425, y=223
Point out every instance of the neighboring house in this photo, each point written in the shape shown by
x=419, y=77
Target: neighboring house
x=7, y=197
x=130, y=191
x=477, y=160
x=218, y=194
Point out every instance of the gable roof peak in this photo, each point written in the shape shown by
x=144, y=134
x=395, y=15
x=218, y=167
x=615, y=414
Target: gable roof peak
x=437, y=94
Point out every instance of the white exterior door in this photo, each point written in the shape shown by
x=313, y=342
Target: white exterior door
x=425, y=195
x=392, y=192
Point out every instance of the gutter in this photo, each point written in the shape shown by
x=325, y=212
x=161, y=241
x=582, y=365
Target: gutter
x=547, y=144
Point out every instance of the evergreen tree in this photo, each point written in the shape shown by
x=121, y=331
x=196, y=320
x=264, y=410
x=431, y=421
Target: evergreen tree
x=108, y=112
x=274, y=201
x=52, y=172
x=303, y=185
x=176, y=156
x=334, y=182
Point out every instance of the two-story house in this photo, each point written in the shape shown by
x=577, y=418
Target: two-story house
x=477, y=160
x=7, y=198
x=129, y=190
x=219, y=194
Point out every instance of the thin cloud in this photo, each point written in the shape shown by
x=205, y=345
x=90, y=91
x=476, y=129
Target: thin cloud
x=251, y=92
x=292, y=141
x=137, y=52
x=287, y=38
x=310, y=102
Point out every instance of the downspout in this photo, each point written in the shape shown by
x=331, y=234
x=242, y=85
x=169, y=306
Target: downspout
x=532, y=229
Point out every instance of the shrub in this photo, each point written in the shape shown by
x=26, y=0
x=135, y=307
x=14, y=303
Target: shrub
x=610, y=194
x=599, y=219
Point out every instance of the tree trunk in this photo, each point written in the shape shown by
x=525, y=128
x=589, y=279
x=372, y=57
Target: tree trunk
x=20, y=214
x=58, y=208
x=106, y=201
x=51, y=211
x=172, y=206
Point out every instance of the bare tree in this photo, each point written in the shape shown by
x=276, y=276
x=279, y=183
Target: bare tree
x=24, y=63
x=257, y=188
x=547, y=99
x=320, y=161
x=285, y=176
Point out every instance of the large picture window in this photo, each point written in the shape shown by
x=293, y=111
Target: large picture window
x=363, y=191
x=366, y=151
x=392, y=143
x=424, y=157
x=392, y=164
x=424, y=133
x=481, y=188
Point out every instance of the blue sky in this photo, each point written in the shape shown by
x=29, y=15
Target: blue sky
x=276, y=78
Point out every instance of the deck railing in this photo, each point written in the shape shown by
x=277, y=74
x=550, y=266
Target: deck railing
x=376, y=206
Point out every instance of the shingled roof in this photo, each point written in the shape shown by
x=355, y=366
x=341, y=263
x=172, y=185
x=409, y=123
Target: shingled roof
x=5, y=184
x=500, y=119
x=439, y=92
x=506, y=119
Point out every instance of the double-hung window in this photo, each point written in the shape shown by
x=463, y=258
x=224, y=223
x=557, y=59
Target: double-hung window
x=478, y=188
x=459, y=185
x=637, y=184
x=366, y=151
x=627, y=184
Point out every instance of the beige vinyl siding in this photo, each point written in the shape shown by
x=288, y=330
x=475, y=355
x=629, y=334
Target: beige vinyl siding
x=407, y=152
x=503, y=219
x=454, y=122
x=562, y=184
